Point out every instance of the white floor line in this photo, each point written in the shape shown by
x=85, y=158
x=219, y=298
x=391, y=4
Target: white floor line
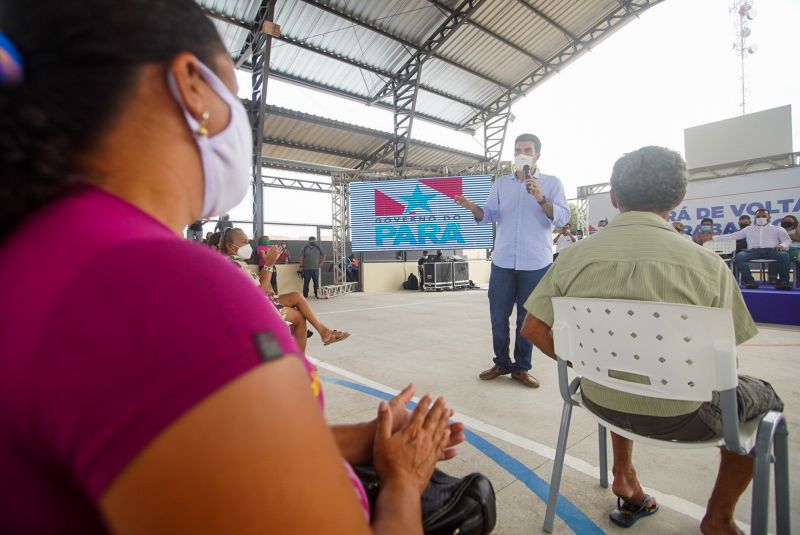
x=373, y=308
x=676, y=503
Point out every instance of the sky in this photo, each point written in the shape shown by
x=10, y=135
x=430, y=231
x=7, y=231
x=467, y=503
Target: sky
x=672, y=68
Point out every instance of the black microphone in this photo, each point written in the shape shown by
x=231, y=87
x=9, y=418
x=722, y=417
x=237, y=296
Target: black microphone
x=526, y=170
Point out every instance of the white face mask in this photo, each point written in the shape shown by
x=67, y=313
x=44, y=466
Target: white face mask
x=245, y=251
x=761, y=221
x=226, y=156
x=521, y=161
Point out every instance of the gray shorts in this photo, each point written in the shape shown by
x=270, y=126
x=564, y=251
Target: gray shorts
x=754, y=397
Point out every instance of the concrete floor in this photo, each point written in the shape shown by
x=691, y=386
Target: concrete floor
x=441, y=341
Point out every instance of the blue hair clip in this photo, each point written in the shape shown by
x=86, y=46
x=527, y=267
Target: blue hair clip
x=10, y=62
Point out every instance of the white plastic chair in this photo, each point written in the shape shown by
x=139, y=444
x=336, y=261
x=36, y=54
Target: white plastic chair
x=686, y=352
x=723, y=248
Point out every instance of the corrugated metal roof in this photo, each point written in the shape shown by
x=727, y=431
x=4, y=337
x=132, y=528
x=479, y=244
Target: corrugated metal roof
x=354, y=47
x=302, y=137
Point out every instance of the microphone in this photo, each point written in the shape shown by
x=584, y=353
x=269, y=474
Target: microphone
x=526, y=170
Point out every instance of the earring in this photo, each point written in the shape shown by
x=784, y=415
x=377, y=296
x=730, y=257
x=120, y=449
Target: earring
x=202, y=130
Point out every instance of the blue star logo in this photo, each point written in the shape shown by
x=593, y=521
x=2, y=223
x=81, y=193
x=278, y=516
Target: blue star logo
x=417, y=200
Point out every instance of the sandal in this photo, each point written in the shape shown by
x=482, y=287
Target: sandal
x=627, y=514
x=336, y=336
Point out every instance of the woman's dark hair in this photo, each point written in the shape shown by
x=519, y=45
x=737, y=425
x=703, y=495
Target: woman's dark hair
x=80, y=59
x=213, y=240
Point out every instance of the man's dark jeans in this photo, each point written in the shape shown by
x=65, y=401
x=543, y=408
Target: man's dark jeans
x=308, y=275
x=506, y=288
x=782, y=258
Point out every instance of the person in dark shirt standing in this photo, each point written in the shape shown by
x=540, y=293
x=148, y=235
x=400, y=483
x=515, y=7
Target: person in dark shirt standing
x=195, y=230
x=311, y=260
x=223, y=224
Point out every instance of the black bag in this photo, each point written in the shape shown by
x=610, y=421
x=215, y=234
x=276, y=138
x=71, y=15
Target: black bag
x=449, y=505
x=412, y=283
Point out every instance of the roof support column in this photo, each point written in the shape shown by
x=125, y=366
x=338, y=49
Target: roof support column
x=260, y=42
x=494, y=134
x=404, y=94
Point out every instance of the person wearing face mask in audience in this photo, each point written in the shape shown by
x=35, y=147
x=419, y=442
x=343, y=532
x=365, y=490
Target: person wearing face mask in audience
x=292, y=307
x=789, y=224
x=706, y=231
x=764, y=241
x=744, y=222
x=525, y=206
x=118, y=415
x=579, y=234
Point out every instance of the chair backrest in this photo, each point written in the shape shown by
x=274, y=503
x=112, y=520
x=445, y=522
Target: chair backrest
x=721, y=247
x=681, y=352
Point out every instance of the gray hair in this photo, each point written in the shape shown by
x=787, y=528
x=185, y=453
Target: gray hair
x=649, y=179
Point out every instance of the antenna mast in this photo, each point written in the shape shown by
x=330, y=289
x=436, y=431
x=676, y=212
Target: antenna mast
x=743, y=13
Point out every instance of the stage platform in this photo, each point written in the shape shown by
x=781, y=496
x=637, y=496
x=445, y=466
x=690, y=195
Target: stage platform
x=768, y=305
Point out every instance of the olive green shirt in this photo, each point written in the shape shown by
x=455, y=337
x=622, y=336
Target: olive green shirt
x=639, y=256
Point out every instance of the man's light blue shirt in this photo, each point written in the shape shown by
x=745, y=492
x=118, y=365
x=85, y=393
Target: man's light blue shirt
x=524, y=232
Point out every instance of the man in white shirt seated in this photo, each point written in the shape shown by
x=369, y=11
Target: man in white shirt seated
x=764, y=241
x=564, y=239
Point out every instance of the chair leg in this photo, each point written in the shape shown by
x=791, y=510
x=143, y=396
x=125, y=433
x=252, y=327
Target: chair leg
x=602, y=443
x=762, y=457
x=782, y=508
x=558, y=466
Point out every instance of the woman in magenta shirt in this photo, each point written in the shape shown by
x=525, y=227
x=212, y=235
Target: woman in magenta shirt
x=120, y=126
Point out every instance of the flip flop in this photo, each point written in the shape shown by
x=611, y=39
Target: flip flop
x=309, y=334
x=336, y=336
x=627, y=514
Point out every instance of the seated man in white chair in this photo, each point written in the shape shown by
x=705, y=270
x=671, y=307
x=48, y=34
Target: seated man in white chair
x=640, y=256
x=764, y=241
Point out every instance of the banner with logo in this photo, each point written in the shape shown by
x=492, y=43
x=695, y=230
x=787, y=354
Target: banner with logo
x=416, y=214
x=723, y=199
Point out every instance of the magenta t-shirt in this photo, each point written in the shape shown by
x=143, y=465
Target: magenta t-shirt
x=113, y=327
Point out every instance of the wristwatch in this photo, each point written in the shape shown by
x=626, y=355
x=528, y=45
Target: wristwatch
x=543, y=201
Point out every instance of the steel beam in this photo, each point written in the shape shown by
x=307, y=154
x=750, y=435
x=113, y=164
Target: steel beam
x=387, y=75
x=318, y=86
x=494, y=134
x=278, y=182
x=627, y=10
x=413, y=47
x=444, y=7
x=405, y=87
x=261, y=44
x=539, y=13
x=313, y=148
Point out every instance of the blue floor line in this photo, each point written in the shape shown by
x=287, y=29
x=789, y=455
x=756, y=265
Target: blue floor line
x=566, y=510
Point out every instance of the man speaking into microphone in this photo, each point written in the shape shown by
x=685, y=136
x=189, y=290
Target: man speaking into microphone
x=526, y=206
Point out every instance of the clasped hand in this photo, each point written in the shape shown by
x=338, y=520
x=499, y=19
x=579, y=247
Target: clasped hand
x=407, y=444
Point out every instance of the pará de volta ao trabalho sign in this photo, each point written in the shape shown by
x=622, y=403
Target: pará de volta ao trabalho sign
x=415, y=214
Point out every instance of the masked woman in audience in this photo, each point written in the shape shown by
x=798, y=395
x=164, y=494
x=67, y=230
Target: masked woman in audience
x=292, y=306
x=120, y=124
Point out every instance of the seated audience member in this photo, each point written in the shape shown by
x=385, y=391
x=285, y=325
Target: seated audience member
x=284, y=257
x=214, y=239
x=118, y=414
x=744, y=222
x=603, y=223
x=208, y=237
x=706, y=231
x=579, y=234
x=292, y=306
x=645, y=185
x=789, y=224
x=261, y=251
x=352, y=269
x=563, y=239
x=764, y=241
